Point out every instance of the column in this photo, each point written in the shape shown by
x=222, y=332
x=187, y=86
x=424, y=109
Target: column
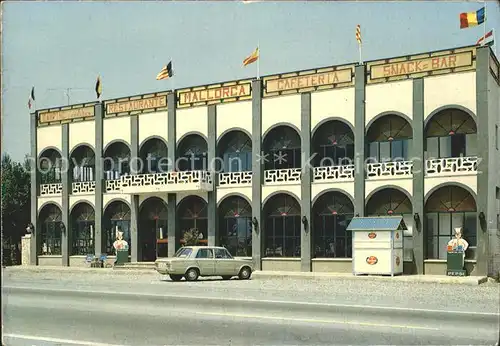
x=135, y=247
x=35, y=187
x=418, y=174
x=173, y=232
x=212, y=167
x=257, y=173
x=99, y=182
x=359, y=140
x=66, y=188
x=305, y=135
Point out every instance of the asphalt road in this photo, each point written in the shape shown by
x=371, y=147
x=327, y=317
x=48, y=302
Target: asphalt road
x=106, y=309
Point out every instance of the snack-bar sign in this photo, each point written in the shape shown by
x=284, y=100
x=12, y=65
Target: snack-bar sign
x=136, y=105
x=308, y=81
x=67, y=114
x=214, y=94
x=435, y=63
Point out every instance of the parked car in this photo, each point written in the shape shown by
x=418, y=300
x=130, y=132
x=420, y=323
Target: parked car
x=192, y=262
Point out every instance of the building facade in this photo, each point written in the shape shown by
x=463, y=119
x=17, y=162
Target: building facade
x=274, y=168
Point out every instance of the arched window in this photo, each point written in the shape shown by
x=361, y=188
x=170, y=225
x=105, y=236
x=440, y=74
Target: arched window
x=193, y=214
x=154, y=156
x=50, y=233
x=50, y=167
x=389, y=139
x=451, y=133
x=153, y=233
x=333, y=211
x=282, y=227
x=282, y=146
x=192, y=154
x=235, y=225
x=83, y=164
x=116, y=161
x=116, y=219
x=236, y=152
x=83, y=228
x=334, y=144
x=392, y=202
x=447, y=208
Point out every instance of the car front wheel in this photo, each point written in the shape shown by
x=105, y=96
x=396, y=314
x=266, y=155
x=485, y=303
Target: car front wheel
x=192, y=274
x=245, y=273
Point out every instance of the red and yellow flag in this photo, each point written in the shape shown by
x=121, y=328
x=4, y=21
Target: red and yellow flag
x=358, y=33
x=252, y=58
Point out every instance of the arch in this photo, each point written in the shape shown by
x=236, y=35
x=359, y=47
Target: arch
x=151, y=200
x=234, y=194
x=450, y=183
x=192, y=212
x=276, y=125
x=145, y=140
x=47, y=149
x=231, y=130
x=264, y=202
x=399, y=202
x=113, y=203
x=324, y=121
x=192, y=153
x=235, y=225
x=333, y=189
x=383, y=114
x=80, y=201
x=390, y=186
x=332, y=193
x=82, y=144
x=229, y=133
x=234, y=152
x=446, y=107
x=228, y=199
x=115, y=141
x=47, y=203
x=186, y=198
x=187, y=134
x=116, y=199
x=49, y=229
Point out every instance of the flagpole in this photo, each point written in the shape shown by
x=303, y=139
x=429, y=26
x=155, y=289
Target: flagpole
x=258, y=60
x=484, y=24
x=360, y=55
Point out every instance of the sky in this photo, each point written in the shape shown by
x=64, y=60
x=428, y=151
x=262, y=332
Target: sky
x=59, y=45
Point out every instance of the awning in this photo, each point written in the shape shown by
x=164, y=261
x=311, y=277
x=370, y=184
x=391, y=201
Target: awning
x=377, y=223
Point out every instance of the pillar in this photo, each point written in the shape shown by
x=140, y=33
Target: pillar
x=212, y=235
x=66, y=188
x=99, y=181
x=359, y=140
x=35, y=187
x=306, y=178
x=257, y=173
x=173, y=233
x=135, y=247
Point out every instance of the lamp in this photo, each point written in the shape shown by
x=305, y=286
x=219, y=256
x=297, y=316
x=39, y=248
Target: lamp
x=482, y=221
x=304, y=222
x=357, y=214
x=416, y=217
x=30, y=228
x=255, y=223
x=63, y=227
x=482, y=217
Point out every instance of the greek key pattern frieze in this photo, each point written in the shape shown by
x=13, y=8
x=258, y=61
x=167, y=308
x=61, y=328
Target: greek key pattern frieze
x=333, y=173
x=188, y=177
x=451, y=166
x=389, y=169
x=50, y=189
x=235, y=178
x=83, y=187
x=113, y=185
x=279, y=176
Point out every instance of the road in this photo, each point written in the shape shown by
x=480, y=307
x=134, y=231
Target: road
x=130, y=309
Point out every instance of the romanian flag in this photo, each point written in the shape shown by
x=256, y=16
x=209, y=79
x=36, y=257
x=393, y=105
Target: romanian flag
x=470, y=19
x=166, y=72
x=483, y=38
x=32, y=97
x=98, y=87
x=358, y=34
x=252, y=58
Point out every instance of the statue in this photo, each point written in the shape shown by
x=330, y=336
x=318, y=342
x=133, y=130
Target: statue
x=120, y=243
x=458, y=243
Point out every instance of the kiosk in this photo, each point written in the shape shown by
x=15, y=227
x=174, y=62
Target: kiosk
x=377, y=245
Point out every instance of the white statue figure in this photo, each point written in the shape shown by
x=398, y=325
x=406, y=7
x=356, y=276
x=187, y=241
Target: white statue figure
x=120, y=243
x=458, y=243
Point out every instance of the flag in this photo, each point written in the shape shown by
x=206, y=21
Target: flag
x=32, y=97
x=252, y=58
x=358, y=33
x=470, y=19
x=98, y=87
x=483, y=38
x=166, y=72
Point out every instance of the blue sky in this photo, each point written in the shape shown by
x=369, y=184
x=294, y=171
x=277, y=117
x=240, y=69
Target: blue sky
x=59, y=45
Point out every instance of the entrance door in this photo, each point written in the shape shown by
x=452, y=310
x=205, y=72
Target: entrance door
x=148, y=240
x=153, y=222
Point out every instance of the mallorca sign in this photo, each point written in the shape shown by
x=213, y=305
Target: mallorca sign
x=309, y=81
x=67, y=114
x=136, y=105
x=429, y=64
x=214, y=94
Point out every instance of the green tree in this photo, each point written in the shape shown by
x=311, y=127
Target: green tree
x=16, y=185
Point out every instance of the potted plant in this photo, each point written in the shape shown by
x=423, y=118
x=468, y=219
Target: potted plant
x=192, y=237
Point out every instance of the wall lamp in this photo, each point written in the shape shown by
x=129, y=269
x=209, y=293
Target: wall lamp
x=357, y=214
x=304, y=222
x=30, y=229
x=63, y=227
x=482, y=217
x=482, y=221
x=255, y=223
x=416, y=217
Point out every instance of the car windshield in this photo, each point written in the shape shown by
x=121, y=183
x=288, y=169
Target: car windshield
x=184, y=252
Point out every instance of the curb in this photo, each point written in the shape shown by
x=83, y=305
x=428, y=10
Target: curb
x=44, y=269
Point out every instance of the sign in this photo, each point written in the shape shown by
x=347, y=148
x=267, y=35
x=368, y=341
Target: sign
x=136, y=105
x=398, y=261
x=371, y=260
x=214, y=94
x=68, y=114
x=372, y=235
x=421, y=65
x=308, y=81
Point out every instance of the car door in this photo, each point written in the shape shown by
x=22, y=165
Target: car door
x=224, y=262
x=205, y=261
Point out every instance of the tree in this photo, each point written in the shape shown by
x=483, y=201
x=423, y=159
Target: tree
x=192, y=237
x=16, y=190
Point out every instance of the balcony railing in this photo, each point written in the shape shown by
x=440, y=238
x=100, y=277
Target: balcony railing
x=235, y=178
x=83, y=187
x=451, y=166
x=333, y=173
x=50, y=189
x=281, y=176
x=113, y=185
x=167, y=182
x=393, y=169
